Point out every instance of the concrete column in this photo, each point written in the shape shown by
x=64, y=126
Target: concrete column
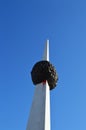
x=39, y=118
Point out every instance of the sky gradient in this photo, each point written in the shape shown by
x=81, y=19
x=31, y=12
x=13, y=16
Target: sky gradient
x=24, y=28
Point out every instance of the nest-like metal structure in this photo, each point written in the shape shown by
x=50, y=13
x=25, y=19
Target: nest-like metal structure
x=44, y=70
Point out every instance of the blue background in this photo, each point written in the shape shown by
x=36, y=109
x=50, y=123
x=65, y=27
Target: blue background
x=24, y=28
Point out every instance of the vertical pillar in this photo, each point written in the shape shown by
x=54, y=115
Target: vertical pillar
x=39, y=118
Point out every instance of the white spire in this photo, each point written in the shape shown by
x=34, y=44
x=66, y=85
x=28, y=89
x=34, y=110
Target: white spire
x=39, y=118
x=46, y=51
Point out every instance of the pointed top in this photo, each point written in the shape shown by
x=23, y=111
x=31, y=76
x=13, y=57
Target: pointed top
x=46, y=51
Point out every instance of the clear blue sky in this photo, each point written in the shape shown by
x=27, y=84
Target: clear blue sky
x=24, y=28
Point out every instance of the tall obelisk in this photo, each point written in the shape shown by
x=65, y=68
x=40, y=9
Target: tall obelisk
x=39, y=118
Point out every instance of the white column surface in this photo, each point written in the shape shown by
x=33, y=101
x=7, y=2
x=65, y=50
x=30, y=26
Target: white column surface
x=46, y=51
x=47, y=108
x=39, y=118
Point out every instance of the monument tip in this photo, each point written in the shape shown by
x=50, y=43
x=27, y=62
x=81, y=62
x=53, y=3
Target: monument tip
x=46, y=51
x=43, y=70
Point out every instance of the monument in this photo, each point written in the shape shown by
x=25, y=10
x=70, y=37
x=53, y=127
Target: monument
x=44, y=78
